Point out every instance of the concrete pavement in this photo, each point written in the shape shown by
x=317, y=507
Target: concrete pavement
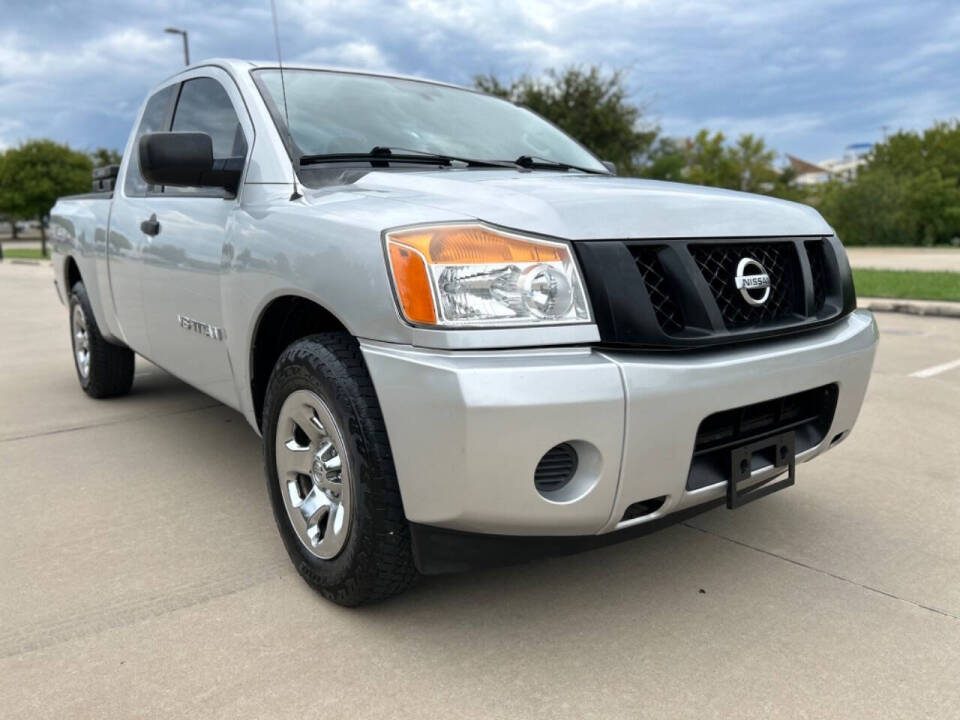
x=905, y=258
x=143, y=576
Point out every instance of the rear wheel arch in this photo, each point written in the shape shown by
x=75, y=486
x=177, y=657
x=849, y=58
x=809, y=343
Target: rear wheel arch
x=283, y=321
x=71, y=273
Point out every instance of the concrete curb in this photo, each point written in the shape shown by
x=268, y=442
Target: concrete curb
x=934, y=308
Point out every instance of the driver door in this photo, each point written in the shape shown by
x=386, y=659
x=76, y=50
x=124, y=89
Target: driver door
x=184, y=262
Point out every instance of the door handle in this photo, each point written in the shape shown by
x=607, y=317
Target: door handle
x=151, y=226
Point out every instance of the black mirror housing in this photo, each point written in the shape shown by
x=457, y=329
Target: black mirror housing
x=186, y=159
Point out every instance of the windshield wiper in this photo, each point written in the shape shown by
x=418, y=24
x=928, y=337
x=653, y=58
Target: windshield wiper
x=383, y=156
x=533, y=161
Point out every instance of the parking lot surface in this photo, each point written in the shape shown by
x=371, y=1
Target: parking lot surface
x=143, y=577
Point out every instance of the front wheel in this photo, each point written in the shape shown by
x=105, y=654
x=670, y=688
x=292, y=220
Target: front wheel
x=103, y=369
x=330, y=473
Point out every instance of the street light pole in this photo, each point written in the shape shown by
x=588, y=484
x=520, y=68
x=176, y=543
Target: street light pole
x=186, y=46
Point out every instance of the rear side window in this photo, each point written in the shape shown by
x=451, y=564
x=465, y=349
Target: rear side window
x=156, y=116
x=204, y=106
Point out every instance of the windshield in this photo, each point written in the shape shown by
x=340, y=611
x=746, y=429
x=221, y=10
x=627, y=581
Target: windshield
x=338, y=112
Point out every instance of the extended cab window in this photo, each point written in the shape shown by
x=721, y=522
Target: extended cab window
x=156, y=116
x=204, y=106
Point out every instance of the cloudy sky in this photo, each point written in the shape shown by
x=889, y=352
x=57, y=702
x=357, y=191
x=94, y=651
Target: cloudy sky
x=811, y=77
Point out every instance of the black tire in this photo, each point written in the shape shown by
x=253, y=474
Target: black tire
x=110, y=366
x=376, y=560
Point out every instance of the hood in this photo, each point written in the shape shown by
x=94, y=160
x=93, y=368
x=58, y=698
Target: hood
x=583, y=207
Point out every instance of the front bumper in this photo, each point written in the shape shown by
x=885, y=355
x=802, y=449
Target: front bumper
x=467, y=429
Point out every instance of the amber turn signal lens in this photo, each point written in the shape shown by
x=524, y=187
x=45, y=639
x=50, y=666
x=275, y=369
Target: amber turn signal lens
x=413, y=285
x=456, y=245
x=470, y=275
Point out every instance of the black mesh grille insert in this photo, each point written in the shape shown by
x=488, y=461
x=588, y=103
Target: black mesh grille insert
x=556, y=468
x=667, y=310
x=818, y=273
x=718, y=263
x=809, y=414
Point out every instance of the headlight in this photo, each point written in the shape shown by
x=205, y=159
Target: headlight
x=462, y=275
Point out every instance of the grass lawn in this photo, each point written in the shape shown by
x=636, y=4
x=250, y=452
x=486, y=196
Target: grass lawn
x=23, y=254
x=907, y=284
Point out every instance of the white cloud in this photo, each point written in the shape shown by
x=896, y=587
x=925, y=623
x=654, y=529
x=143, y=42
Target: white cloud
x=359, y=55
x=808, y=76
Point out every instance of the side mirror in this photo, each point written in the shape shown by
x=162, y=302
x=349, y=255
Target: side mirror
x=610, y=165
x=186, y=159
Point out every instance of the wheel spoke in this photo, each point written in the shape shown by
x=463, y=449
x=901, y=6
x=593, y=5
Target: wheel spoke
x=293, y=458
x=306, y=419
x=336, y=523
x=312, y=506
x=333, y=466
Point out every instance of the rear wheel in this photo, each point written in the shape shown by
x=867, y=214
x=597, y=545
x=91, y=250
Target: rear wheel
x=330, y=473
x=103, y=369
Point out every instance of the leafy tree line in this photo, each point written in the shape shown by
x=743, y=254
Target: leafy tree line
x=907, y=193
x=594, y=107
x=34, y=174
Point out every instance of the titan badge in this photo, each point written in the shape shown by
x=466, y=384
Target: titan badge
x=202, y=328
x=750, y=283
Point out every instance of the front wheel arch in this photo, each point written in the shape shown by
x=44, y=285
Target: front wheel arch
x=283, y=321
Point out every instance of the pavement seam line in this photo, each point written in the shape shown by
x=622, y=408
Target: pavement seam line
x=804, y=565
x=125, y=612
x=108, y=423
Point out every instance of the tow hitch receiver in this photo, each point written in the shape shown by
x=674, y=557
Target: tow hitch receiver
x=779, y=451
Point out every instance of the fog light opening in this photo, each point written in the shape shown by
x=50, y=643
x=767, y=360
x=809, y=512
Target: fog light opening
x=556, y=468
x=567, y=471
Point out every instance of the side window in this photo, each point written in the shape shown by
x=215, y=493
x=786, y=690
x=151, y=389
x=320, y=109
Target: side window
x=156, y=115
x=204, y=106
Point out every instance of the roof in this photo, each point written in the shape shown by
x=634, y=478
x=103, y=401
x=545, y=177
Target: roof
x=237, y=66
x=802, y=166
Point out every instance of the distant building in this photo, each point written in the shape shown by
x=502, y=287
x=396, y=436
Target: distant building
x=843, y=168
x=807, y=172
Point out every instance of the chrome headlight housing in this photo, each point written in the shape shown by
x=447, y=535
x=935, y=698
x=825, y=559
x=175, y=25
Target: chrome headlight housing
x=471, y=275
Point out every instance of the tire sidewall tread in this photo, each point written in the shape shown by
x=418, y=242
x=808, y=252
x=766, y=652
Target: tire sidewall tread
x=376, y=561
x=111, y=366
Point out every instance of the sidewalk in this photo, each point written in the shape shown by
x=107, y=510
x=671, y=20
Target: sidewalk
x=905, y=258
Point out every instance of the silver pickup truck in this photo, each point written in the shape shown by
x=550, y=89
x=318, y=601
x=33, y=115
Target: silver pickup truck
x=462, y=338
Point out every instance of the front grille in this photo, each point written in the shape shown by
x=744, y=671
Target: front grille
x=818, y=272
x=682, y=294
x=666, y=308
x=718, y=263
x=808, y=414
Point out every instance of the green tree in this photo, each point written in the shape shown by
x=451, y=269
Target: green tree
x=590, y=105
x=708, y=159
x=35, y=174
x=710, y=162
x=102, y=157
x=666, y=161
x=907, y=193
x=865, y=212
